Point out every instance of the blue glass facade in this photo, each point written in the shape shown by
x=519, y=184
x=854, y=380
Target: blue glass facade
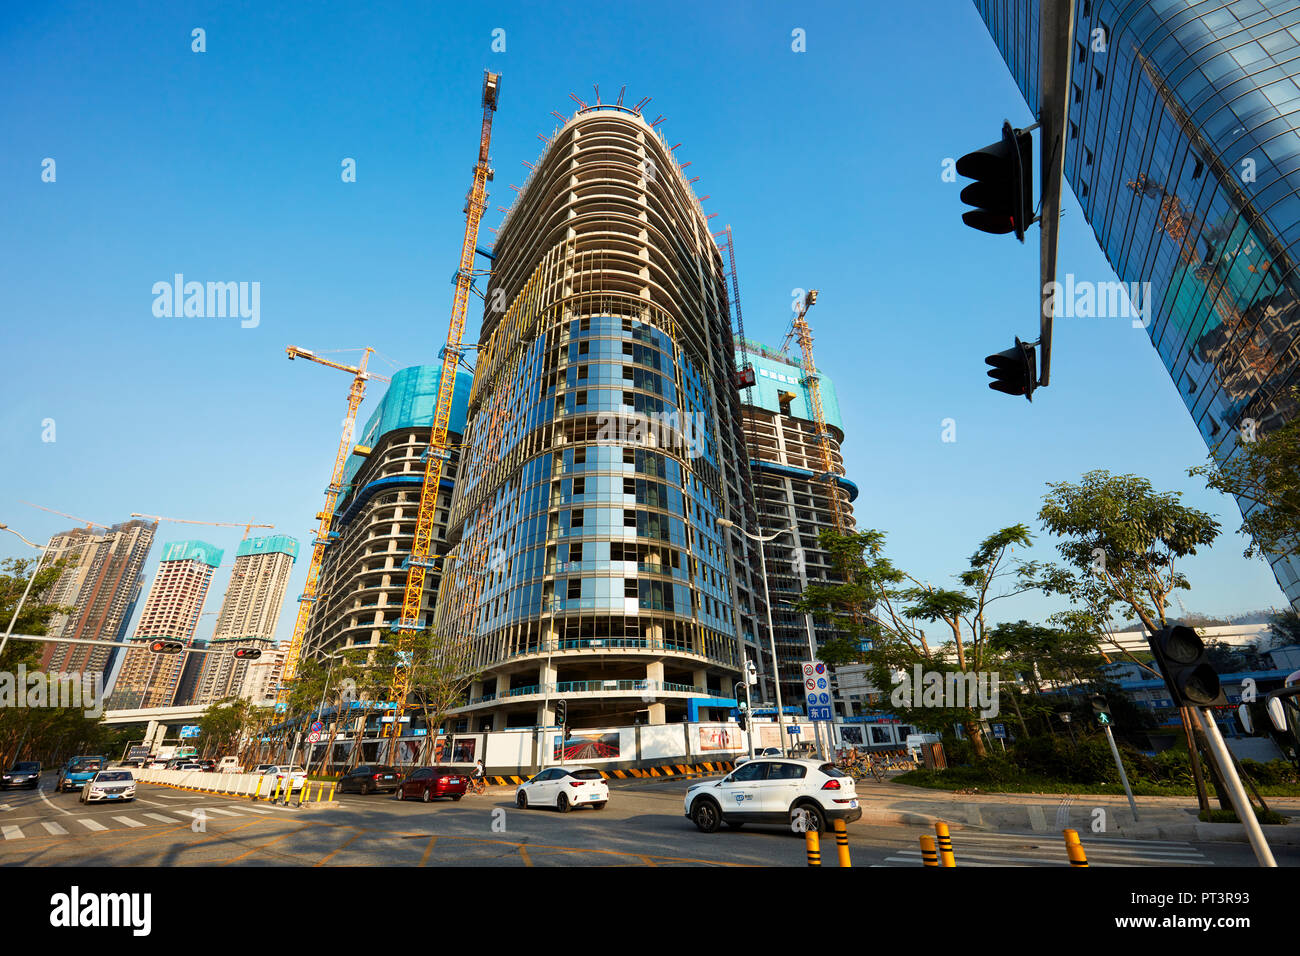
x=1184, y=153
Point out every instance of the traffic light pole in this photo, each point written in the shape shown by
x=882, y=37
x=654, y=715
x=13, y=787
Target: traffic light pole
x=1240, y=802
x=1123, y=777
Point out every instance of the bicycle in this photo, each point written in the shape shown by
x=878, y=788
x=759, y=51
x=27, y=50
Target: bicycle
x=476, y=785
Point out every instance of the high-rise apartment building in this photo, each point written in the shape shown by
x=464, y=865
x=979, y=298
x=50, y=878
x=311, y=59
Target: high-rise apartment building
x=102, y=582
x=171, y=611
x=262, y=680
x=249, y=613
x=363, y=572
x=1183, y=151
x=604, y=443
x=789, y=492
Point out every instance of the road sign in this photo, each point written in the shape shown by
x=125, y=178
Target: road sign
x=809, y=668
x=190, y=730
x=317, y=726
x=794, y=728
x=313, y=737
x=1000, y=730
x=821, y=713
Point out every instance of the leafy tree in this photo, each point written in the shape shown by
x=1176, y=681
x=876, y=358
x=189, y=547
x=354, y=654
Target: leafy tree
x=1263, y=472
x=224, y=725
x=440, y=677
x=879, y=603
x=34, y=618
x=1284, y=628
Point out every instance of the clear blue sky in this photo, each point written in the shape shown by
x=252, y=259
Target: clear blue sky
x=225, y=165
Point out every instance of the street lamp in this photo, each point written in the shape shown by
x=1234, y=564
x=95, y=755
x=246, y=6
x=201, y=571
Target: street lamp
x=767, y=604
x=44, y=549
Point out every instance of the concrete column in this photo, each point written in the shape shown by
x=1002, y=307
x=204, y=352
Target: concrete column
x=499, y=720
x=654, y=675
x=700, y=677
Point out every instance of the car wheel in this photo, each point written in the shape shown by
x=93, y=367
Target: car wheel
x=735, y=824
x=598, y=806
x=425, y=795
x=457, y=796
x=816, y=818
x=563, y=803
x=521, y=800
x=399, y=795
x=365, y=789
x=706, y=815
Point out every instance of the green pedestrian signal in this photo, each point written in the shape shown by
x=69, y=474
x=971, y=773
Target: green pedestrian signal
x=1101, y=710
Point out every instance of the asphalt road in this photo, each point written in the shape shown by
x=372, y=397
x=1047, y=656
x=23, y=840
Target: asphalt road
x=643, y=825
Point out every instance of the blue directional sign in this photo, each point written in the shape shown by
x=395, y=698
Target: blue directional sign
x=821, y=713
x=1000, y=730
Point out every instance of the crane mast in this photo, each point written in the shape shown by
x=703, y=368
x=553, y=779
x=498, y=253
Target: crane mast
x=325, y=516
x=437, y=453
x=811, y=379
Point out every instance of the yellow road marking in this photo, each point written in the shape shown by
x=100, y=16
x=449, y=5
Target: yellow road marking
x=342, y=846
x=428, y=849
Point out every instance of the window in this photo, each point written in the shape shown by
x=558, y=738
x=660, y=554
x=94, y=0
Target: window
x=575, y=587
x=579, y=486
x=579, y=456
x=749, y=773
x=629, y=486
x=584, y=348
x=629, y=518
x=629, y=588
x=575, y=552
x=575, y=518
x=787, y=771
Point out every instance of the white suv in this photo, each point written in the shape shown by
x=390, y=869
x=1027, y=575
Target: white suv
x=801, y=794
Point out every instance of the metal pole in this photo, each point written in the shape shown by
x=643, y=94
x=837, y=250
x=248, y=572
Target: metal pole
x=1123, y=777
x=1240, y=802
x=771, y=637
x=17, y=610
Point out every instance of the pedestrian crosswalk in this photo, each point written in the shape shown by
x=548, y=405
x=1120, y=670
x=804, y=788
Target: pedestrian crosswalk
x=1036, y=849
x=82, y=825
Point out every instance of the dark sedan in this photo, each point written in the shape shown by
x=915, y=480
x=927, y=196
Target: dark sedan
x=25, y=773
x=371, y=778
x=429, y=783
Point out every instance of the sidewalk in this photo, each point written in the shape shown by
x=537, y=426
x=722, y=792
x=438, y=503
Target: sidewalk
x=1159, y=818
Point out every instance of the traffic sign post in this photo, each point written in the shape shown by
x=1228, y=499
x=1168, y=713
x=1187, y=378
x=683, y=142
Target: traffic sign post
x=817, y=699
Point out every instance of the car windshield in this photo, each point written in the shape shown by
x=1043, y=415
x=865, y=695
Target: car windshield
x=831, y=770
x=82, y=766
x=113, y=776
x=585, y=774
x=26, y=767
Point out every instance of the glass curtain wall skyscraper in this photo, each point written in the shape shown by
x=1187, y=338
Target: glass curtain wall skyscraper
x=604, y=443
x=1183, y=151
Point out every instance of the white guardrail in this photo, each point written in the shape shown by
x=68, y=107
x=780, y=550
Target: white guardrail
x=235, y=784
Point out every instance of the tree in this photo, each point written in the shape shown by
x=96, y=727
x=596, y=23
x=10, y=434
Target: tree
x=224, y=725
x=34, y=618
x=883, y=607
x=1284, y=629
x=440, y=676
x=1122, y=540
x=1262, y=471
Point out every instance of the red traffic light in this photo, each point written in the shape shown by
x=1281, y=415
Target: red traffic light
x=247, y=653
x=166, y=647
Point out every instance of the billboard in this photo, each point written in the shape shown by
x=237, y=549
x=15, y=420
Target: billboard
x=719, y=738
x=190, y=730
x=600, y=745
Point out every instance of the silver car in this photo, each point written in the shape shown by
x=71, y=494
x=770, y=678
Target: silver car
x=109, y=785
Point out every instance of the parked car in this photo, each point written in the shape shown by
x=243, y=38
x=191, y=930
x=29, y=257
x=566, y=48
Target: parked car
x=131, y=762
x=174, y=763
x=781, y=791
x=370, y=778
x=109, y=785
x=760, y=752
x=207, y=765
x=25, y=773
x=229, y=765
x=77, y=772
x=283, y=776
x=428, y=783
x=263, y=767
x=191, y=765
x=564, y=788
x=155, y=763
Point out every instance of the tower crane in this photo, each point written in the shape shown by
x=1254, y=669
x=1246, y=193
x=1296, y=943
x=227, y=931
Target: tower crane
x=246, y=525
x=325, y=516
x=88, y=523
x=799, y=329
x=437, y=452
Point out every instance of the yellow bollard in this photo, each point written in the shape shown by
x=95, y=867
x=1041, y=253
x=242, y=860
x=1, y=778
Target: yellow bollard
x=332, y=786
x=813, y=844
x=842, y=842
x=1074, y=849
x=257, y=792
x=929, y=856
x=945, y=844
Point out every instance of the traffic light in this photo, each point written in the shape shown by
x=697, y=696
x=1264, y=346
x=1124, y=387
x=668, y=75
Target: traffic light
x=166, y=647
x=1101, y=710
x=1014, y=371
x=1180, y=655
x=742, y=718
x=1003, y=191
x=562, y=712
x=247, y=653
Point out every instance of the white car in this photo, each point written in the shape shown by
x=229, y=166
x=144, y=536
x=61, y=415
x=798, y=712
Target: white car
x=109, y=785
x=188, y=766
x=800, y=794
x=288, y=778
x=762, y=752
x=229, y=765
x=564, y=788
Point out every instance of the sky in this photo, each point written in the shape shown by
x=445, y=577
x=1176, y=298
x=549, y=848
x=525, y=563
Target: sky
x=225, y=165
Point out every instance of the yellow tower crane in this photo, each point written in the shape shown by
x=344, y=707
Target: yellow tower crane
x=325, y=516
x=246, y=525
x=438, y=452
x=801, y=331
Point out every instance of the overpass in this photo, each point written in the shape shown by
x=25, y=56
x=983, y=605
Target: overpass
x=188, y=714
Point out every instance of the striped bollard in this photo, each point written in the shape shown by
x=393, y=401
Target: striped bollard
x=813, y=844
x=945, y=844
x=929, y=856
x=1074, y=849
x=842, y=842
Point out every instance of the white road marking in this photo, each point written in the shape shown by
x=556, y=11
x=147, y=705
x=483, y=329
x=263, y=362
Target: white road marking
x=54, y=829
x=224, y=813
x=11, y=833
x=129, y=822
x=51, y=805
x=255, y=810
x=91, y=824
x=160, y=818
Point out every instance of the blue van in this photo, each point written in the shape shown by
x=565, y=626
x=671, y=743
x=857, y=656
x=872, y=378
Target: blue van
x=74, y=774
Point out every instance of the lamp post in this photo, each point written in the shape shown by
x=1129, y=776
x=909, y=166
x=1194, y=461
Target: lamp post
x=767, y=604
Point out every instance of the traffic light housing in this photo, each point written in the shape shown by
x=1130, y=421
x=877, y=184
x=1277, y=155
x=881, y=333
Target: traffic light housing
x=1014, y=370
x=742, y=718
x=1003, y=191
x=166, y=647
x=562, y=712
x=247, y=653
x=1101, y=711
x=1180, y=656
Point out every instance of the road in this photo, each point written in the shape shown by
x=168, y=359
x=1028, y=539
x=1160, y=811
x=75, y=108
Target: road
x=643, y=825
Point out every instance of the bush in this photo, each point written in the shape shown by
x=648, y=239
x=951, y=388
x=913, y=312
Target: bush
x=1271, y=774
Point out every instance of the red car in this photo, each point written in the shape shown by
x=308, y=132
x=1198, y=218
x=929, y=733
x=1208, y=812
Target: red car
x=430, y=782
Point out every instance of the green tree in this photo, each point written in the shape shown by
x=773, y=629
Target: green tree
x=223, y=727
x=1262, y=471
x=34, y=618
x=440, y=677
